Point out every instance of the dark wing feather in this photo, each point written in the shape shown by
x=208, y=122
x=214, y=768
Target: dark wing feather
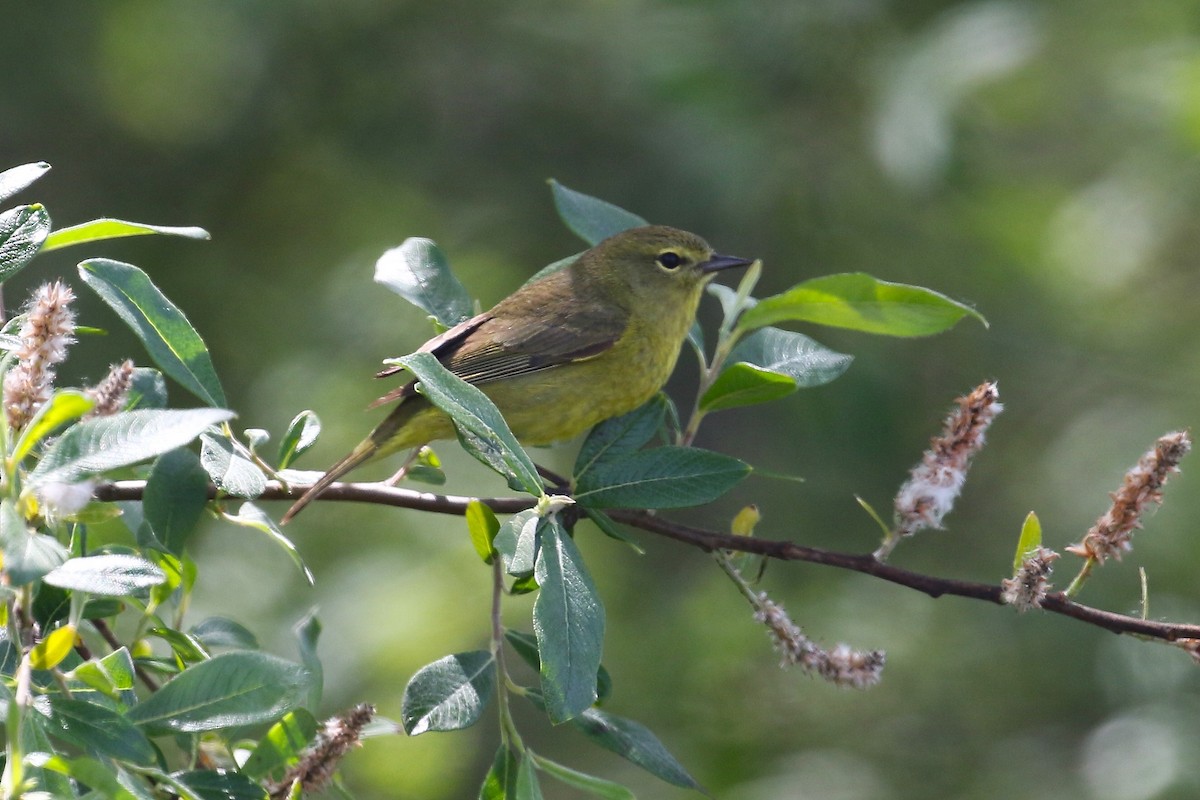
x=554, y=321
x=521, y=335
x=438, y=345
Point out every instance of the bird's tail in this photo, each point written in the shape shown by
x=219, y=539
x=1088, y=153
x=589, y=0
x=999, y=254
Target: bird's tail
x=359, y=455
x=388, y=437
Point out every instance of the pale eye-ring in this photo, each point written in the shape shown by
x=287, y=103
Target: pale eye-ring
x=670, y=259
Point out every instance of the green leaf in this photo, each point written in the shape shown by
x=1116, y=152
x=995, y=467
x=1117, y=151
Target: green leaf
x=112, y=676
x=483, y=526
x=597, y=787
x=147, y=389
x=22, y=231
x=113, y=575
x=1030, y=541
x=695, y=337
x=27, y=555
x=633, y=741
x=860, y=302
x=734, y=303
x=256, y=438
x=65, y=406
x=617, y=437
x=251, y=516
x=426, y=468
x=172, y=568
x=418, y=271
x=308, y=632
x=175, y=497
x=301, y=434
x=15, y=179
x=227, y=691
x=53, y=648
x=611, y=529
x=169, y=782
x=728, y=298
x=742, y=384
x=34, y=740
x=665, y=477
x=526, y=584
x=101, y=731
x=100, y=229
x=501, y=780
x=604, y=685
x=104, y=443
x=224, y=632
x=282, y=745
x=186, y=648
x=50, y=606
x=592, y=219
x=481, y=427
x=231, y=471
x=100, y=607
x=449, y=694
x=166, y=333
x=517, y=542
x=527, y=781
x=106, y=780
x=209, y=784
x=568, y=620
x=525, y=646
x=791, y=354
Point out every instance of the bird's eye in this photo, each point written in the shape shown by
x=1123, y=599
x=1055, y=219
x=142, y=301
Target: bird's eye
x=670, y=259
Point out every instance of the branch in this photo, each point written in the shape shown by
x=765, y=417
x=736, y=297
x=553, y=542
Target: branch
x=708, y=540
x=379, y=494
x=866, y=563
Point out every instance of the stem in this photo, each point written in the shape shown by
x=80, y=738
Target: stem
x=22, y=700
x=726, y=563
x=727, y=336
x=254, y=457
x=11, y=780
x=61, y=680
x=508, y=728
x=708, y=376
x=887, y=546
x=1084, y=572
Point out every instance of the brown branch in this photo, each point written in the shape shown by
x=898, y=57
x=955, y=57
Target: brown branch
x=708, y=540
x=379, y=494
x=866, y=563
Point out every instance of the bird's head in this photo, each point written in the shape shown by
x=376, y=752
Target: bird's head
x=655, y=264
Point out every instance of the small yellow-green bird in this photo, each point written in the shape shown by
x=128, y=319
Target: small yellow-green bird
x=589, y=342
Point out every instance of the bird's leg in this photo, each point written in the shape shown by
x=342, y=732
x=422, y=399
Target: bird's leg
x=400, y=473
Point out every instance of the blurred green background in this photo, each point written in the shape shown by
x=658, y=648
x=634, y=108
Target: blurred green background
x=1038, y=160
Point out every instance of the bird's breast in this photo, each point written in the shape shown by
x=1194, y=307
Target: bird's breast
x=563, y=401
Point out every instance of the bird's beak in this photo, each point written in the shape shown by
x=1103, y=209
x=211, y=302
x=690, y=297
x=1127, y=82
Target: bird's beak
x=720, y=262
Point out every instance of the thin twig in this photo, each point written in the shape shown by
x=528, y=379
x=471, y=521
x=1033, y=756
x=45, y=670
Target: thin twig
x=106, y=632
x=708, y=540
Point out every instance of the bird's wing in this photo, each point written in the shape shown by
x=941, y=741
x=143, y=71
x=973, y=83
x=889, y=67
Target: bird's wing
x=511, y=346
x=518, y=337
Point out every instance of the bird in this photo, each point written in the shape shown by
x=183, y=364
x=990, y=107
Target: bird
x=589, y=342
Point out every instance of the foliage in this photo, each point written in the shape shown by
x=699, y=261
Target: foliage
x=215, y=716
